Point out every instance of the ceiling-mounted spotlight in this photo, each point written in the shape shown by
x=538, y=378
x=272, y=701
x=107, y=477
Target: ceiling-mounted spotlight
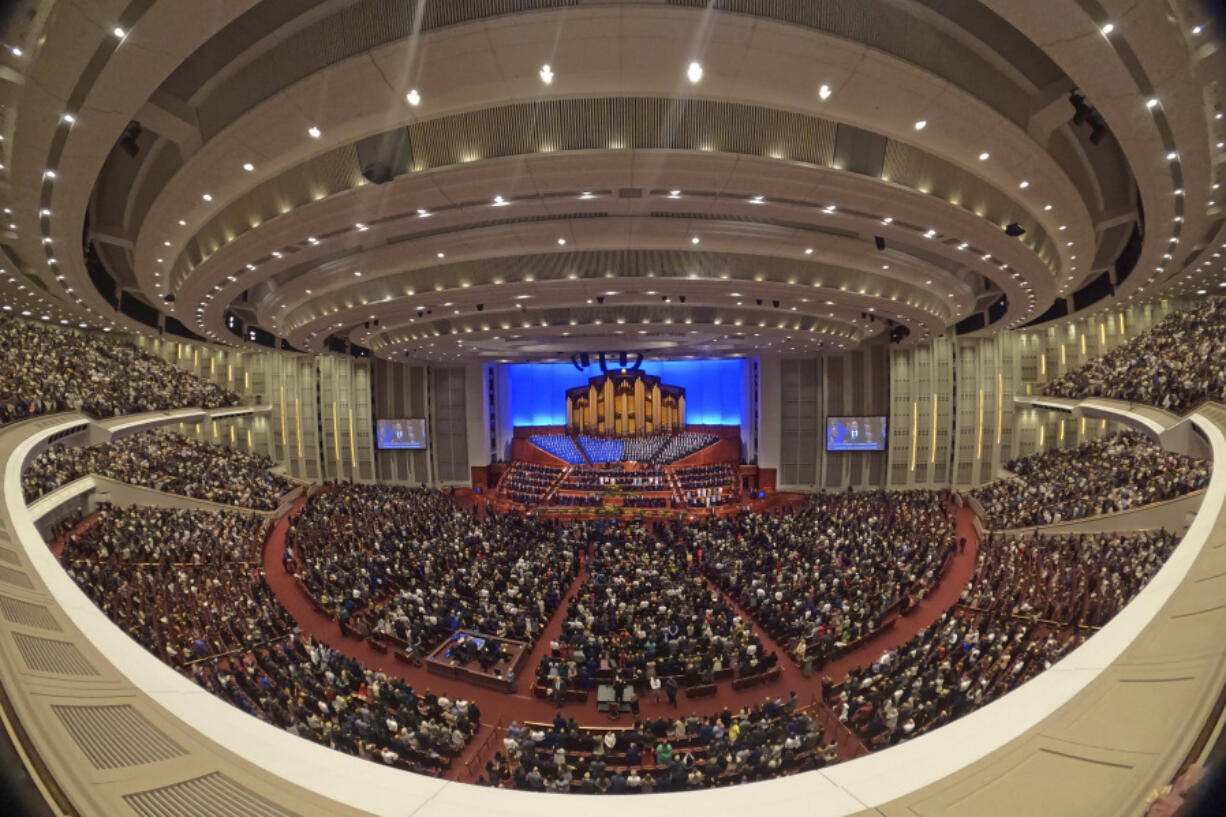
x=694, y=72
x=546, y=74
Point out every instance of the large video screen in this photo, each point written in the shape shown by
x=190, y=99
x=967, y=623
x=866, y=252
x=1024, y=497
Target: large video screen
x=855, y=433
x=392, y=434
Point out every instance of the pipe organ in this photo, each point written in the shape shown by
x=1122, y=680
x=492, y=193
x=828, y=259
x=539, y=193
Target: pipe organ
x=624, y=403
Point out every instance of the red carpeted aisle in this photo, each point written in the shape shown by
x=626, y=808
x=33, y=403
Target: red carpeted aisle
x=501, y=709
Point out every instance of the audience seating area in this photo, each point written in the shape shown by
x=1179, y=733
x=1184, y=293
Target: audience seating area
x=165, y=462
x=50, y=369
x=1175, y=365
x=756, y=743
x=407, y=565
x=1114, y=473
x=526, y=483
x=646, y=612
x=188, y=586
x=833, y=573
x=1029, y=602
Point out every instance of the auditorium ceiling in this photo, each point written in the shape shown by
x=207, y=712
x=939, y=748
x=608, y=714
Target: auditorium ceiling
x=523, y=179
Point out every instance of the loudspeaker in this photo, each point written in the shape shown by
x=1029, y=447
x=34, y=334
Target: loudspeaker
x=880, y=242
x=385, y=156
x=585, y=359
x=1014, y=230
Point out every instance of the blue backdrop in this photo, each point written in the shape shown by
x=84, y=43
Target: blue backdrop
x=712, y=389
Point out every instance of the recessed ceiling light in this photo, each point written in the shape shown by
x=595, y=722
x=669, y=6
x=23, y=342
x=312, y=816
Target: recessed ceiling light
x=68, y=118
x=809, y=251
x=546, y=74
x=15, y=51
x=207, y=197
x=983, y=157
x=314, y=132
x=674, y=194
x=1108, y=28
x=182, y=223
x=413, y=98
x=357, y=274
x=1152, y=103
x=248, y=166
x=360, y=227
x=561, y=241
x=119, y=32
x=921, y=124
x=694, y=72
x=694, y=240
x=887, y=220
x=824, y=92
x=442, y=255
x=930, y=234
x=1023, y=184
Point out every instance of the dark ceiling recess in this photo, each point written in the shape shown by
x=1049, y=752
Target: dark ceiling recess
x=385, y=156
x=336, y=344
x=859, y=151
x=100, y=277
x=1093, y=292
x=1127, y=260
x=137, y=309
x=1057, y=310
x=971, y=323
x=259, y=336
x=176, y=328
x=998, y=309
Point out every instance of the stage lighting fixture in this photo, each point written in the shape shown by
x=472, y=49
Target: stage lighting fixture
x=599, y=299
x=880, y=242
x=775, y=303
x=480, y=307
x=420, y=313
x=759, y=301
x=1014, y=230
x=681, y=298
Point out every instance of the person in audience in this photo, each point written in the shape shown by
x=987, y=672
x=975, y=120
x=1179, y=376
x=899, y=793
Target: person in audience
x=1114, y=473
x=65, y=370
x=165, y=462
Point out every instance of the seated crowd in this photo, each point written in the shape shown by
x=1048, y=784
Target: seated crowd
x=526, y=482
x=1080, y=579
x=164, y=462
x=1021, y=612
x=646, y=611
x=1176, y=364
x=406, y=563
x=51, y=370
x=1113, y=473
x=588, y=479
x=822, y=578
x=724, y=748
x=187, y=585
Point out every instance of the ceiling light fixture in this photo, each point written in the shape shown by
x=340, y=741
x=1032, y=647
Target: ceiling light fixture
x=1108, y=28
x=921, y=124
x=824, y=92
x=314, y=132
x=983, y=157
x=119, y=32
x=248, y=166
x=694, y=72
x=546, y=74
x=413, y=98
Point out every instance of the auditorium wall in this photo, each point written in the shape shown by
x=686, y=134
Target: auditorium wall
x=797, y=396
